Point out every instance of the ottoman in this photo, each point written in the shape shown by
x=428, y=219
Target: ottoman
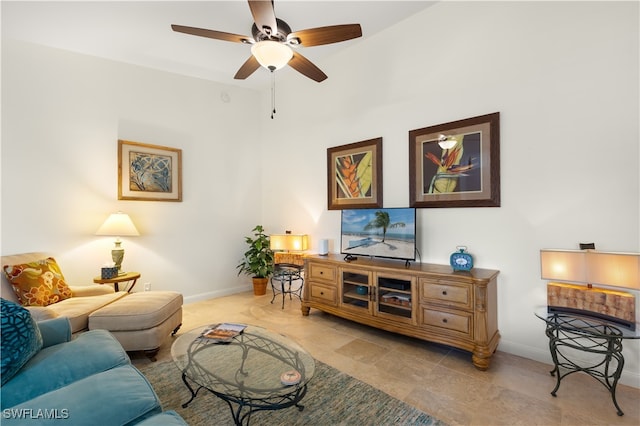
x=141, y=321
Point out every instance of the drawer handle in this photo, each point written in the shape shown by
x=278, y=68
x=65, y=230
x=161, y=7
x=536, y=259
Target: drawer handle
x=444, y=320
x=321, y=272
x=444, y=292
x=322, y=293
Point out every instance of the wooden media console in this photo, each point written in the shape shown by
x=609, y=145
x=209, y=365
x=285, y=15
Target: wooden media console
x=425, y=301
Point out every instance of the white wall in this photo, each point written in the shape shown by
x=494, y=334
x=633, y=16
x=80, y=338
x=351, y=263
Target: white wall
x=62, y=114
x=564, y=77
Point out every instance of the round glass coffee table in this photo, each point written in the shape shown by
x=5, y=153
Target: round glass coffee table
x=248, y=372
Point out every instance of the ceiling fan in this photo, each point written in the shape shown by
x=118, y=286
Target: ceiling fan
x=272, y=41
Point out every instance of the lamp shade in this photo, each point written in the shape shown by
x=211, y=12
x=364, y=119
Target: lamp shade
x=614, y=269
x=591, y=267
x=272, y=54
x=564, y=265
x=118, y=225
x=289, y=242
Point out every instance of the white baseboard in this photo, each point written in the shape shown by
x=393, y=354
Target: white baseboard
x=217, y=293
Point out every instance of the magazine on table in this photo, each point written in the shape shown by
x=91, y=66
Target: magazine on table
x=224, y=332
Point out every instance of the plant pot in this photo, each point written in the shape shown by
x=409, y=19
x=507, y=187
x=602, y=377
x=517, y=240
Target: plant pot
x=260, y=286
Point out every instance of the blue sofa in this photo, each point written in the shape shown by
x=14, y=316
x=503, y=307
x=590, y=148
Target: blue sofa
x=85, y=381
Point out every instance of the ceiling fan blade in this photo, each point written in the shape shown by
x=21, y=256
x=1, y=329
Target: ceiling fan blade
x=306, y=67
x=218, y=35
x=326, y=35
x=247, y=68
x=264, y=16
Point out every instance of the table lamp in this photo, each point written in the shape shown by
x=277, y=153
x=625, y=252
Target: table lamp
x=118, y=225
x=575, y=268
x=284, y=244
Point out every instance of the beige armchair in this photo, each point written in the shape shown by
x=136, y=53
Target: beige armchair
x=84, y=300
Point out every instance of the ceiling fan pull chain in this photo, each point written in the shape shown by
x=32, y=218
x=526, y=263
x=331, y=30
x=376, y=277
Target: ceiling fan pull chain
x=273, y=93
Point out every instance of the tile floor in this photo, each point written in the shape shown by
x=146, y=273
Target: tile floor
x=436, y=379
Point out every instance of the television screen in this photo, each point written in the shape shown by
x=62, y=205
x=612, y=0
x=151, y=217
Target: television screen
x=379, y=232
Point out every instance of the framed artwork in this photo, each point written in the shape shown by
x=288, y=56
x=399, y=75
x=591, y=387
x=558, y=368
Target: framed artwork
x=149, y=172
x=456, y=164
x=354, y=175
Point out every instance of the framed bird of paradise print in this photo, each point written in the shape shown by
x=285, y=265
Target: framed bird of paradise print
x=354, y=175
x=456, y=164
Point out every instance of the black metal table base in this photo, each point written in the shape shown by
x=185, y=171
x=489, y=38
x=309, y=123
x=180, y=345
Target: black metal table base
x=254, y=405
x=289, y=281
x=602, y=340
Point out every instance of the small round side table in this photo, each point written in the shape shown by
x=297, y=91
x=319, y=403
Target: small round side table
x=287, y=274
x=121, y=278
x=570, y=332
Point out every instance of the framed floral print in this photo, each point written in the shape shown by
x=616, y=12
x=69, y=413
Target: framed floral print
x=456, y=164
x=354, y=175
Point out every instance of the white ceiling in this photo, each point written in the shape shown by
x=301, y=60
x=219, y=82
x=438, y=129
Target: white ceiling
x=139, y=32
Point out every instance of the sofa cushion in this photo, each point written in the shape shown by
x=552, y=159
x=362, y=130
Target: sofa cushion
x=91, y=290
x=59, y=365
x=21, y=338
x=120, y=396
x=41, y=313
x=55, y=331
x=38, y=283
x=138, y=311
x=78, y=309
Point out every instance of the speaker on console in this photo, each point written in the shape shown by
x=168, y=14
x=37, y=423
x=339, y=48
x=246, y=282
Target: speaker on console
x=323, y=247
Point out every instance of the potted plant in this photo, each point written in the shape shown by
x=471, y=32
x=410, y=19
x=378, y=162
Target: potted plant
x=258, y=260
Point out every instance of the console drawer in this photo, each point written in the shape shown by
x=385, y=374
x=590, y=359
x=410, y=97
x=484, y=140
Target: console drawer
x=461, y=322
x=322, y=272
x=448, y=293
x=324, y=294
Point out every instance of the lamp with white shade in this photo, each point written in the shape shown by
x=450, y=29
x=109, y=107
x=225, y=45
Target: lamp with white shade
x=288, y=242
x=569, y=270
x=288, y=247
x=118, y=225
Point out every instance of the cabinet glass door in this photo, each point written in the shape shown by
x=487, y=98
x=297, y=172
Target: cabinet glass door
x=356, y=290
x=395, y=296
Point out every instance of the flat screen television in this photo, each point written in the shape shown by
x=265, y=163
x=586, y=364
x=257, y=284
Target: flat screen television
x=389, y=233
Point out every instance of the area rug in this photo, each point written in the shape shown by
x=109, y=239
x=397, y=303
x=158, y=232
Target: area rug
x=333, y=398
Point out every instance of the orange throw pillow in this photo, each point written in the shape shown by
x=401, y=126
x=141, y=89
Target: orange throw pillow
x=38, y=283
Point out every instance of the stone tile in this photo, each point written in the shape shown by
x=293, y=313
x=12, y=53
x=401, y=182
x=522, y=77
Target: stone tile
x=448, y=409
x=437, y=379
x=456, y=385
x=362, y=351
x=503, y=406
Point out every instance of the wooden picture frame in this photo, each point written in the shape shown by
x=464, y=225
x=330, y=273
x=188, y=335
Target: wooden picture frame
x=464, y=174
x=149, y=172
x=354, y=175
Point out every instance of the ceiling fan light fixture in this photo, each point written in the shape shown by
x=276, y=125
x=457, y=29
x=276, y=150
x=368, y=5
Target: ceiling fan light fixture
x=272, y=55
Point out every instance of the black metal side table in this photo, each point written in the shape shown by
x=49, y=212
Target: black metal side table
x=570, y=331
x=287, y=279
